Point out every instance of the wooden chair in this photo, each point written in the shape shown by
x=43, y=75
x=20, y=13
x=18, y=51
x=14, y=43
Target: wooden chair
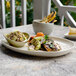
x=13, y=20
x=41, y=8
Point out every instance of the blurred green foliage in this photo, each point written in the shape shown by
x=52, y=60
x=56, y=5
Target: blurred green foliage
x=65, y=2
x=18, y=12
x=30, y=11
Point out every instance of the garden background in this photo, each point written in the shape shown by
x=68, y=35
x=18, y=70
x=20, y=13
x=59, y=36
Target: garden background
x=30, y=11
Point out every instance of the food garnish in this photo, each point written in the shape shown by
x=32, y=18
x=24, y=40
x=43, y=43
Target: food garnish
x=39, y=34
x=43, y=42
x=46, y=37
x=50, y=18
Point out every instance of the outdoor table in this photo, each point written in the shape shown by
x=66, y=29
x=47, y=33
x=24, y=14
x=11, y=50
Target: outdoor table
x=17, y=64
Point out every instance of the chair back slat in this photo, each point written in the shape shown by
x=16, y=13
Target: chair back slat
x=46, y=7
x=13, y=13
x=41, y=8
x=24, y=12
x=63, y=11
x=13, y=19
x=3, y=14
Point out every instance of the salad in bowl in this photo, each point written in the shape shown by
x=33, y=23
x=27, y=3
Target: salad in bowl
x=17, y=38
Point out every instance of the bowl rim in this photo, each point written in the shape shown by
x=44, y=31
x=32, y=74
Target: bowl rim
x=17, y=41
x=38, y=21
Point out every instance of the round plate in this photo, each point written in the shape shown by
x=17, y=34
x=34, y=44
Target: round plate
x=65, y=44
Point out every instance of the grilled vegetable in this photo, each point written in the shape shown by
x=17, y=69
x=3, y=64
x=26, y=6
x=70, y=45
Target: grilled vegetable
x=46, y=46
x=52, y=47
x=44, y=43
x=36, y=43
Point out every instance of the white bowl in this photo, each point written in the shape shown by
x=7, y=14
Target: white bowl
x=46, y=28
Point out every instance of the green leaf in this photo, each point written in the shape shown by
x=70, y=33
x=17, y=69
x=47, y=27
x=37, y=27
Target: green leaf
x=46, y=37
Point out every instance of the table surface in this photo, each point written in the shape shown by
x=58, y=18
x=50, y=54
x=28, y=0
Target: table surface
x=16, y=64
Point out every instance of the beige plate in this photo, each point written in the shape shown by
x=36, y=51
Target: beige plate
x=65, y=44
x=70, y=36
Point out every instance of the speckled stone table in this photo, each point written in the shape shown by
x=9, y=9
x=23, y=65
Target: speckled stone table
x=16, y=64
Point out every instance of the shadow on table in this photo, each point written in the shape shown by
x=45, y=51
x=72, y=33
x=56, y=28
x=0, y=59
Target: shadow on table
x=25, y=56
x=70, y=39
